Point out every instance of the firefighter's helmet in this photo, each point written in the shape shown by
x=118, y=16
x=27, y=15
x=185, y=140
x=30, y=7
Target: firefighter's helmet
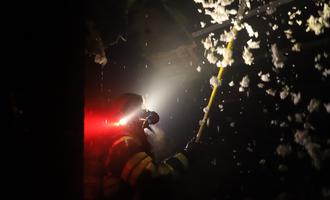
x=127, y=103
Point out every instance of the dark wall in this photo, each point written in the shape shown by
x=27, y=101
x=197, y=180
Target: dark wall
x=43, y=75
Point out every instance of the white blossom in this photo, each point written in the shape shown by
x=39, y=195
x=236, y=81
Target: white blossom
x=262, y=162
x=308, y=125
x=298, y=117
x=274, y=27
x=208, y=122
x=318, y=66
x=294, y=14
x=245, y=82
x=227, y=36
x=296, y=47
x=271, y=92
x=282, y=168
x=214, y=81
x=227, y=58
x=261, y=85
x=288, y=33
x=265, y=77
x=253, y=44
x=232, y=124
x=205, y=109
x=226, y=2
x=232, y=11
x=220, y=107
x=299, y=22
x=247, y=56
x=238, y=26
x=203, y=24
x=326, y=72
x=101, y=59
x=211, y=58
x=317, y=24
x=314, y=25
x=273, y=122
x=285, y=92
x=276, y=57
x=270, y=9
x=302, y=138
x=317, y=57
x=218, y=14
x=283, y=150
x=231, y=84
x=199, y=69
x=295, y=97
x=283, y=124
x=248, y=4
x=327, y=107
x=250, y=30
x=207, y=42
x=314, y=105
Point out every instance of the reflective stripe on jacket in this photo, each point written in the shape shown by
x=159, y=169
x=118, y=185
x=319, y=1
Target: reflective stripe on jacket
x=127, y=163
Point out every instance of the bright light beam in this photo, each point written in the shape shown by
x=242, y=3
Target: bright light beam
x=123, y=121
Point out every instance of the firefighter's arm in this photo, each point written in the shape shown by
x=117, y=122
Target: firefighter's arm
x=141, y=167
x=127, y=160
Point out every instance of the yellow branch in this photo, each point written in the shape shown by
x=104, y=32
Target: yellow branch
x=215, y=88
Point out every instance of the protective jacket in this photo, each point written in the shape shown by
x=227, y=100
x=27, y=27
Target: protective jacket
x=131, y=172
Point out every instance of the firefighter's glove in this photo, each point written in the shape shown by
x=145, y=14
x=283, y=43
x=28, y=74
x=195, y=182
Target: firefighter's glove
x=196, y=151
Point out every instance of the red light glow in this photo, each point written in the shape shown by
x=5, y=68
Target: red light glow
x=100, y=124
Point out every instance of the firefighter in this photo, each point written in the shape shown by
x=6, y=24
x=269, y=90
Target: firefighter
x=130, y=169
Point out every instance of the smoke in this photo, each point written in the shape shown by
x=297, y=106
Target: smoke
x=160, y=143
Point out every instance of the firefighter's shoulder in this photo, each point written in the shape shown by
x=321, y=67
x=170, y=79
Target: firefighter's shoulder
x=128, y=159
x=121, y=150
x=125, y=144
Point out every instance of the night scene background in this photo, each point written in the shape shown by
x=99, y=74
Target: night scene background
x=268, y=128
x=154, y=48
